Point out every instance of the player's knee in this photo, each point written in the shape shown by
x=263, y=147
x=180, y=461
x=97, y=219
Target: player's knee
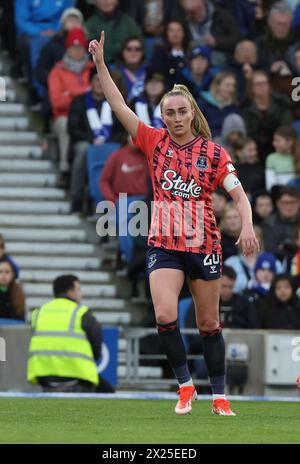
x=208, y=325
x=162, y=314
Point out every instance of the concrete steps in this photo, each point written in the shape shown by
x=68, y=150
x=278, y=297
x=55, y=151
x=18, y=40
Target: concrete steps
x=25, y=165
x=44, y=234
x=20, y=152
x=28, y=179
x=88, y=290
x=34, y=207
x=43, y=238
x=93, y=277
x=64, y=221
x=44, y=248
x=31, y=193
x=58, y=262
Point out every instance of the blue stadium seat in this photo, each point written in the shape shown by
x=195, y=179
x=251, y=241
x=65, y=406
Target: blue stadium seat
x=183, y=306
x=96, y=157
x=126, y=242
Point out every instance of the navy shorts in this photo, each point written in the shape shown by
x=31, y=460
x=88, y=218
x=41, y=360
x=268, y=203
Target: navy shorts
x=194, y=265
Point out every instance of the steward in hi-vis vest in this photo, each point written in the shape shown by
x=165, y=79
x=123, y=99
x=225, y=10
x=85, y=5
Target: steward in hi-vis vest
x=66, y=342
x=59, y=346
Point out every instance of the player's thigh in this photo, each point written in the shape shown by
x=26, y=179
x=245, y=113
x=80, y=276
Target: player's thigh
x=206, y=297
x=165, y=287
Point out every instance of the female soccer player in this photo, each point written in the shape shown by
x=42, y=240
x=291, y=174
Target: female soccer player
x=186, y=167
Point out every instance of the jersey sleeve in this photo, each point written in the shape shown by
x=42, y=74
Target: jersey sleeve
x=225, y=167
x=147, y=138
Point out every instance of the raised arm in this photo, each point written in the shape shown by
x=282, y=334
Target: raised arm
x=128, y=118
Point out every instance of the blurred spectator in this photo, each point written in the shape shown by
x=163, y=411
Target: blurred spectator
x=212, y=26
x=91, y=121
x=153, y=15
x=125, y=171
x=36, y=19
x=219, y=101
x=280, y=165
x=232, y=135
x=243, y=62
x=250, y=171
x=54, y=50
x=12, y=300
x=279, y=229
x=116, y=24
x=8, y=29
x=292, y=257
x=131, y=67
x=63, y=370
x=244, y=266
x=68, y=79
x=281, y=308
x=248, y=315
x=231, y=227
x=277, y=38
x=220, y=200
x=170, y=57
x=147, y=106
x=199, y=74
x=296, y=19
x=4, y=255
x=263, y=113
x=262, y=206
x=248, y=17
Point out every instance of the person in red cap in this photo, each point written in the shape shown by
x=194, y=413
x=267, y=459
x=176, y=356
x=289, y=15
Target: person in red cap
x=68, y=79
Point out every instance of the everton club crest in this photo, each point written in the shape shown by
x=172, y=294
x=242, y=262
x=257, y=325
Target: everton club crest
x=201, y=163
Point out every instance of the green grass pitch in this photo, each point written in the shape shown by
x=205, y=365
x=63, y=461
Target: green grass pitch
x=47, y=420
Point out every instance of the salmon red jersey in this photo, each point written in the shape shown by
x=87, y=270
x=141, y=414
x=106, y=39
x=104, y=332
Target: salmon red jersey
x=183, y=179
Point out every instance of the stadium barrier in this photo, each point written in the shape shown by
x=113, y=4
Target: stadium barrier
x=272, y=359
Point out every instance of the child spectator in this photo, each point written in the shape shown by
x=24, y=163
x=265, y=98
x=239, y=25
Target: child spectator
x=170, y=57
x=4, y=255
x=219, y=101
x=250, y=171
x=280, y=165
x=12, y=300
x=199, y=74
x=248, y=315
x=232, y=135
x=147, y=106
x=281, y=308
x=68, y=79
x=132, y=67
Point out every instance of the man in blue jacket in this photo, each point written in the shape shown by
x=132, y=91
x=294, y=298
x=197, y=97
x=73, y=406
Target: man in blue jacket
x=36, y=19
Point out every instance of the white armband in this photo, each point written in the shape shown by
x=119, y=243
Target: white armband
x=230, y=182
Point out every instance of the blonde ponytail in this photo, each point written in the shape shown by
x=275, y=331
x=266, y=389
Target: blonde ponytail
x=199, y=124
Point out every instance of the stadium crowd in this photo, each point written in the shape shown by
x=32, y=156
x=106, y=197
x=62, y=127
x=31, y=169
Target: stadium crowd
x=241, y=61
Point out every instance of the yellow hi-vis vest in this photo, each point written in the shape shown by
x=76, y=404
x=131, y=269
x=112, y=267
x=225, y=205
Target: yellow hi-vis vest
x=59, y=347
